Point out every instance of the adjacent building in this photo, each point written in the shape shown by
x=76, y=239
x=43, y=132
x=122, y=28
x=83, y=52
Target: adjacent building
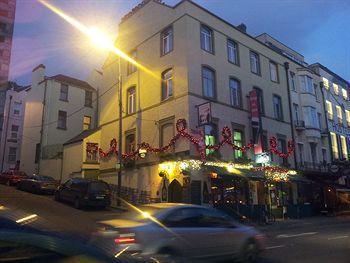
x=57, y=108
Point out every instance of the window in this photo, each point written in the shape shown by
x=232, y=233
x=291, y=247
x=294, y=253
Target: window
x=87, y=123
x=292, y=81
x=306, y=84
x=14, y=131
x=131, y=66
x=313, y=152
x=336, y=89
x=235, y=92
x=62, y=120
x=254, y=63
x=37, y=152
x=64, y=92
x=131, y=103
x=17, y=108
x=319, y=116
x=260, y=95
x=310, y=117
x=325, y=83
x=329, y=109
x=273, y=71
x=167, y=133
x=301, y=153
x=324, y=156
x=282, y=146
x=339, y=114
x=344, y=147
x=88, y=98
x=207, y=39
x=347, y=113
x=296, y=112
x=167, y=84
x=238, y=140
x=232, y=51
x=277, y=107
x=12, y=157
x=208, y=82
x=334, y=145
x=130, y=143
x=209, y=137
x=167, y=39
x=345, y=94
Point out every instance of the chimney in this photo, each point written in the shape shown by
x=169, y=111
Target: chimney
x=242, y=27
x=38, y=74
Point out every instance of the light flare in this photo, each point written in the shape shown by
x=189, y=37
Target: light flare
x=24, y=219
x=97, y=36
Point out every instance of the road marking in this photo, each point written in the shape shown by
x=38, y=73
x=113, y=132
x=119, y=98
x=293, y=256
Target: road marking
x=297, y=235
x=275, y=247
x=339, y=237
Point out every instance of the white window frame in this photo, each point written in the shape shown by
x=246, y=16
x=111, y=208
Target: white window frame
x=167, y=84
x=131, y=94
x=339, y=114
x=273, y=71
x=206, y=82
x=206, y=39
x=167, y=36
x=254, y=62
x=235, y=92
x=64, y=89
x=232, y=51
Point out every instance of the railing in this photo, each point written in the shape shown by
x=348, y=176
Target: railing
x=313, y=166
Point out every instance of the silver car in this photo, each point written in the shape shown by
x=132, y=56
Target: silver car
x=180, y=231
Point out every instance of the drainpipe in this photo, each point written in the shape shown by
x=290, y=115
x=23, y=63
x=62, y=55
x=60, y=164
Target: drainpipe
x=5, y=138
x=42, y=126
x=325, y=116
x=286, y=67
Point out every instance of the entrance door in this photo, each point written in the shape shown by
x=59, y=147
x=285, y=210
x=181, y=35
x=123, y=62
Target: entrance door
x=175, y=192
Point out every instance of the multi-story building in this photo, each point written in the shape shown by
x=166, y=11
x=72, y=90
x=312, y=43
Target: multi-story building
x=335, y=93
x=11, y=125
x=7, y=18
x=57, y=108
x=306, y=107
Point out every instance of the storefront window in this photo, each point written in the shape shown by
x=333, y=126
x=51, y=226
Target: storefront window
x=209, y=137
x=238, y=141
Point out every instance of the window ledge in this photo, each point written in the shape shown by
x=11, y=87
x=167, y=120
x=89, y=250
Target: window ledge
x=210, y=99
x=236, y=64
x=62, y=128
x=164, y=54
x=167, y=99
x=63, y=100
x=257, y=74
x=207, y=51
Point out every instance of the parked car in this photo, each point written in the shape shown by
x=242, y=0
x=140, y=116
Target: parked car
x=190, y=231
x=38, y=184
x=12, y=177
x=84, y=192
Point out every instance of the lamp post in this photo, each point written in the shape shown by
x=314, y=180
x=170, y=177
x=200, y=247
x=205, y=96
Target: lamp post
x=120, y=140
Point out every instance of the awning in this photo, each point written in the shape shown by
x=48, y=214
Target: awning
x=238, y=173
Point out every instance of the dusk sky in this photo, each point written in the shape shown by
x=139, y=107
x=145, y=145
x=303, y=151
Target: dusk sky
x=318, y=29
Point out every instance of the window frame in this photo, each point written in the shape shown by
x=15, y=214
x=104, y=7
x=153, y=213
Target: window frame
x=206, y=67
x=65, y=120
x=165, y=84
x=12, y=155
x=162, y=124
x=133, y=96
x=239, y=92
x=202, y=41
x=260, y=95
x=251, y=52
x=292, y=79
x=279, y=118
x=90, y=101
x=128, y=135
x=277, y=73
x=214, y=128
x=162, y=34
x=228, y=42
x=131, y=68
x=64, y=93
x=85, y=123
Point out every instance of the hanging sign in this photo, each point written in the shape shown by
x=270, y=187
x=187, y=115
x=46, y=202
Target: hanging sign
x=255, y=121
x=204, y=113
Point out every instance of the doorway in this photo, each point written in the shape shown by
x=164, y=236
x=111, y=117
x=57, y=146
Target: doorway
x=175, y=192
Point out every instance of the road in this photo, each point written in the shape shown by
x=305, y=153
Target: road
x=317, y=239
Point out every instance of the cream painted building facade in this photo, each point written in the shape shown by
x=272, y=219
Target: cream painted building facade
x=57, y=109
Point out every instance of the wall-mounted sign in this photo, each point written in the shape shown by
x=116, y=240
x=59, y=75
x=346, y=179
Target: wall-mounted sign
x=255, y=121
x=263, y=158
x=204, y=113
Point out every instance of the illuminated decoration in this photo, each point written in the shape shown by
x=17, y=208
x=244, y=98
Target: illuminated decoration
x=276, y=173
x=181, y=127
x=263, y=158
x=142, y=153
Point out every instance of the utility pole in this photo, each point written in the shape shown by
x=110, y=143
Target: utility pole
x=120, y=139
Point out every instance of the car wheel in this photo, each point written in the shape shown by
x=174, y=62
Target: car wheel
x=249, y=252
x=77, y=204
x=57, y=197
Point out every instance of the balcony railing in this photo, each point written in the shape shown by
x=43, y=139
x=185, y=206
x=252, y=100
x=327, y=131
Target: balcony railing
x=299, y=125
x=313, y=166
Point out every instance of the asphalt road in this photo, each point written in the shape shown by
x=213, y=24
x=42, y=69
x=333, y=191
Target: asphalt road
x=317, y=239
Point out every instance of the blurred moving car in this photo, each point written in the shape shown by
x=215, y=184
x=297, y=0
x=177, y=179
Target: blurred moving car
x=30, y=238
x=190, y=231
x=38, y=184
x=12, y=177
x=84, y=192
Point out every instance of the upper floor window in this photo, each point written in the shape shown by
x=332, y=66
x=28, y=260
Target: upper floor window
x=311, y=117
x=207, y=39
x=260, y=96
x=130, y=143
x=64, y=92
x=292, y=81
x=209, y=137
x=12, y=155
x=273, y=71
x=254, y=63
x=306, y=84
x=131, y=103
x=208, y=82
x=131, y=68
x=336, y=89
x=235, y=92
x=166, y=133
x=282, y=146
x=339, y=114
x=325, y=83
x=347, y=113
x=167, y=39
x=344, y=147
x=17, y=108
x=14, y=131
x=87, y=123
x=232, y=51
x=277, y=107
x=296, y=112
x=88, y=98
x=345, y=94
x=334, y=143
x=329, y=109
x=238, y=141
x=167, y=84
x=62, y=120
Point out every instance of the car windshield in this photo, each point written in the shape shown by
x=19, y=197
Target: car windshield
x=98, y=187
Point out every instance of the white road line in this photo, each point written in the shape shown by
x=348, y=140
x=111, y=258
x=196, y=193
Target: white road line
x=275, y=247
x=339, y=237
x=297, y=235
